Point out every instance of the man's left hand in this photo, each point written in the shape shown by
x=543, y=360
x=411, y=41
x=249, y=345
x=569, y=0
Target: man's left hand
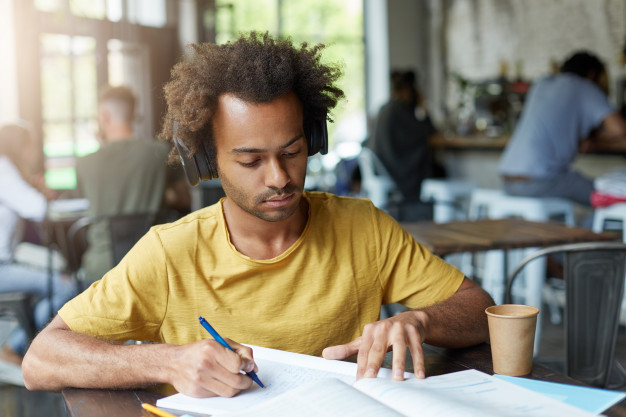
x=407, y=329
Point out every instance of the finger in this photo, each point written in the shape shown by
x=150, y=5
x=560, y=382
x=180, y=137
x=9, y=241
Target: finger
x=398, y=362
x=375, y=357
x=228, y=359
x=226, y=388
x=362, y=357
x=341, y=352
x=215, y=371
x=247, y=356
x=417, y=354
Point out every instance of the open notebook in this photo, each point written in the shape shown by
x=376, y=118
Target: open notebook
x=310, y=386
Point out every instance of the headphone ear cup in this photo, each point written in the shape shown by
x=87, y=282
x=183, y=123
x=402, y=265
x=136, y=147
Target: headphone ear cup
x=207, y=170
x=189, y=164
x=197, y=167
x=317, y=137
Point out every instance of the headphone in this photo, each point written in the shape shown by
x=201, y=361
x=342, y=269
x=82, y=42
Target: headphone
x=198, y=167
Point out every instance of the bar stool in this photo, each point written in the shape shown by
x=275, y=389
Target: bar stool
x=603, y=217
x=496, y=204
x=448, y=196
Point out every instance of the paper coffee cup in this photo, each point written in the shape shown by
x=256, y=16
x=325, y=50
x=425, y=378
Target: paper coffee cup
x=512, y=335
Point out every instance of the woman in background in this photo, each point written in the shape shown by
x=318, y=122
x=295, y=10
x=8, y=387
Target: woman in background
x=23, y=196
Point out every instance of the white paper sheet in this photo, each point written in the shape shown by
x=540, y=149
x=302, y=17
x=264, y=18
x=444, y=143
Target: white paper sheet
x=280, y=372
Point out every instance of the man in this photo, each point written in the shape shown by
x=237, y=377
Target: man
x=401, y=139
x=563, y=114
x=126, y=175
x=268, y=265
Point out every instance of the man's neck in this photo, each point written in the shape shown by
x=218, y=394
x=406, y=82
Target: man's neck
x=261, y=239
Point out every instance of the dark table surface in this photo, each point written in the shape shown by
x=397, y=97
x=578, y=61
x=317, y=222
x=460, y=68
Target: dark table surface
x=127, y=403
x=486, y=234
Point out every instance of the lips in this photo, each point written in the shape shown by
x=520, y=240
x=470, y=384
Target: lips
x=279, y=200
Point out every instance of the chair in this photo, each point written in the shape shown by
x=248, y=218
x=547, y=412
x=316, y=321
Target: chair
x=447, y=195
x=496, y=204
x=20, y=306
x=594, y=286
x=124, y=231
x=605, y=217
x=376, y=182
x=610, y=218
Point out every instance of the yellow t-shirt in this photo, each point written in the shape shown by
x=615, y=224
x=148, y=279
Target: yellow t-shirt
x=350, y=259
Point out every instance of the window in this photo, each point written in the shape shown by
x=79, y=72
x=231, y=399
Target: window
x=143, y=12
x=74, y=64
x=68, y=100
x=337, y=24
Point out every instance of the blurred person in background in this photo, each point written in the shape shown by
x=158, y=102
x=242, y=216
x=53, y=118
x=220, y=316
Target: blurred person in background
x=126, y=175
x=23, y=196
x=401, y=136
x=564, y=114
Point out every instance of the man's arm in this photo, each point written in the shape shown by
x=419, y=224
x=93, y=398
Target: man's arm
x=459, y=321
x=613, y=127
x=60, y=357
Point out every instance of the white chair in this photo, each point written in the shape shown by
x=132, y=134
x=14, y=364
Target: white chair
x=496, y=204
x=448, y=197
x=610, y=218
x=376, y=182
x=604, y=218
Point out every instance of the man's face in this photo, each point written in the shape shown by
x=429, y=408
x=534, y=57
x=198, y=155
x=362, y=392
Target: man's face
x=261, y=154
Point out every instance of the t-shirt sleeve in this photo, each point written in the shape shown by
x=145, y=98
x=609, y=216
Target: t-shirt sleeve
x=410, y=274
x=129, y=302
x=595, y=108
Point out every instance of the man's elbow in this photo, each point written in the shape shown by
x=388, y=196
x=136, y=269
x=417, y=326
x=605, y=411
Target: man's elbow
x=31, y=371
x=37, y=370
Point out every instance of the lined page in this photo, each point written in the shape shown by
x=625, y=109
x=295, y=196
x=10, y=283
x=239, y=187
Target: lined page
x=280, y=372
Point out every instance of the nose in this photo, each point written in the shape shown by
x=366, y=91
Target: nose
x=276, y=175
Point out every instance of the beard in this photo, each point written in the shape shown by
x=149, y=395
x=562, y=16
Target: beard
x=253, y=204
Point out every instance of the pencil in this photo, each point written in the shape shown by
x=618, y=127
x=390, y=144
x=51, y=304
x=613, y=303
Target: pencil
x=157, y=411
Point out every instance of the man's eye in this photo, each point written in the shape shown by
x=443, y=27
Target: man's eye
x=249, y=164
x=291, y=154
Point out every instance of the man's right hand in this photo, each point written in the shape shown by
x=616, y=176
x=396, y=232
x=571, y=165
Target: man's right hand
x=207, y=369
x=60, y=358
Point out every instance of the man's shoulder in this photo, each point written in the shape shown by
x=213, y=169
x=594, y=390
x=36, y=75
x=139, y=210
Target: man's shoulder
x=204, y=217
x=568, y=81
x=145, y=146
x=339, y=205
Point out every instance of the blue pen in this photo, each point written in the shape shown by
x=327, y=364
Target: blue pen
x=222, y=342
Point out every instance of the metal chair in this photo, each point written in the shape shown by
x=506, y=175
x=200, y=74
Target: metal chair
x=20, y=305
x=594, y=285
x=124, y=231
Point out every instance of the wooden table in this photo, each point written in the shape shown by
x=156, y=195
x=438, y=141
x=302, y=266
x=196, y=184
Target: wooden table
x=486, y=234
x=127, y=403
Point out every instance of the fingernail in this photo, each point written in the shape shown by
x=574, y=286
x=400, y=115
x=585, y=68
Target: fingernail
x=248, y=366
x=371, y=373
x=398, y=374
x=420, y=374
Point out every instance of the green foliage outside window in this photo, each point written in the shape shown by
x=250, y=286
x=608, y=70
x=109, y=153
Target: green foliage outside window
x=338, y=24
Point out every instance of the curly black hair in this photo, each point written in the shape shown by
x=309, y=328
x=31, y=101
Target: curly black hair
x=256, y=68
